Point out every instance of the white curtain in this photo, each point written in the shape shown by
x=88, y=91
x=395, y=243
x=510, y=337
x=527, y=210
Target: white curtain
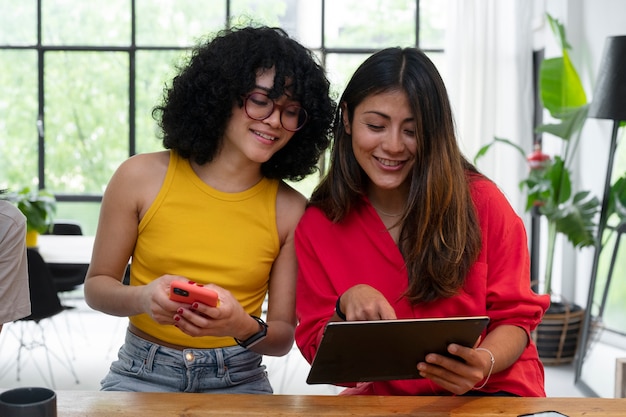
x=488, y=73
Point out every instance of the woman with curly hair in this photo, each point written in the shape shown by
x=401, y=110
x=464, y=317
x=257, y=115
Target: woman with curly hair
x=250, y=109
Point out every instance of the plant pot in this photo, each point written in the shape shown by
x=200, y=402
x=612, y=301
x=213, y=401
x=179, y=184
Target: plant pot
x=31, y=238
x=558, y=335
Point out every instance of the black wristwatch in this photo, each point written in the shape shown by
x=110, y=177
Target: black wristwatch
x=255, y=338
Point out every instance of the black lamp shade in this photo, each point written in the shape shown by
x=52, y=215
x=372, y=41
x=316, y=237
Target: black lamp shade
x=609, y=96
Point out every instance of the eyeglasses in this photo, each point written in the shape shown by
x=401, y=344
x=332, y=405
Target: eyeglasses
x=259, y=106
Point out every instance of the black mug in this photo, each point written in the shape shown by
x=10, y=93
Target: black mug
x=28, y=402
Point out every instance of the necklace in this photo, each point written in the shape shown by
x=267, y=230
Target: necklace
x=385, y=213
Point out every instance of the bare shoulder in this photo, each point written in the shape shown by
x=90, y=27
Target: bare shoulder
x=141, y=170
x=290, y=205
x=145, y=164
x=138, y=180
x=290, y=199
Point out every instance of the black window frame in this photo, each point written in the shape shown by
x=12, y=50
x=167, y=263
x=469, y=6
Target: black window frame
x=41, y=50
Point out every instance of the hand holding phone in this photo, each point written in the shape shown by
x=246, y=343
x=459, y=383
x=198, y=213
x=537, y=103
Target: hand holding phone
x=191, y=292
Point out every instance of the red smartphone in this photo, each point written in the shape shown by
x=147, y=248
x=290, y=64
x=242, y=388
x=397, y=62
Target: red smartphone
x=191, y=292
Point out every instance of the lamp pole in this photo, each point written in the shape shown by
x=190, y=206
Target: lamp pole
x=609, y=102
x=598, y=249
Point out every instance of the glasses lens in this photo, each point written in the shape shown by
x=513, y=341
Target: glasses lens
x=258, y=106
x=293, y=117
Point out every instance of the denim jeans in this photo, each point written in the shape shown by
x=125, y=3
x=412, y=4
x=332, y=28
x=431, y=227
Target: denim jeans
x=146, y=366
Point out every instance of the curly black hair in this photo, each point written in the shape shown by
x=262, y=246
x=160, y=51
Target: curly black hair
x=197, y=106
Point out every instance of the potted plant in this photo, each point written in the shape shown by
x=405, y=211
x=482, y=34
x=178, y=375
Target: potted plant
x=39, y=208
x=550, y=193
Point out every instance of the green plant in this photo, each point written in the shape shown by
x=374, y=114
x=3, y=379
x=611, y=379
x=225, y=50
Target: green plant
x=548, y=185
x=39, y=207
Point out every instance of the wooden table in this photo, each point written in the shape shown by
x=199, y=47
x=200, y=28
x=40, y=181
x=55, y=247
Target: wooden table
x=124, y=404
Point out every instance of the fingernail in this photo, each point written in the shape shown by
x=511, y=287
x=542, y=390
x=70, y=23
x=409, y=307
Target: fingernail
x=194, y=306
x=179, y=311
x=176, y=318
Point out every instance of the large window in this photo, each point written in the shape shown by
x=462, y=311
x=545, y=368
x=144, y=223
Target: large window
x=79, y=78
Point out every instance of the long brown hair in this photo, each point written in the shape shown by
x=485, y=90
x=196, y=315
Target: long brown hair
x=440, y=235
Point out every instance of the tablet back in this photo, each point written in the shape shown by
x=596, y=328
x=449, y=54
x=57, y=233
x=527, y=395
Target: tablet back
x=358, y=351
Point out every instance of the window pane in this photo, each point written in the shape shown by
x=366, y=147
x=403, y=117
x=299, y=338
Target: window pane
x=339, y=69
x=86, y=119
x=18, y=22
x=94, y=22
x=370, y=23
x=18, y=119
x=300, y=18
x=268, y=12
x=308, y=23
x=438, y=59
x=86, y=213
x=154, y=70
x=177, y=22
x=432, y=24
x=614, y=312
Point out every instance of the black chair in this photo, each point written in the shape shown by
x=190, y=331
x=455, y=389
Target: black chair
x=67, y=277
x=67, y=228
x=45, y=304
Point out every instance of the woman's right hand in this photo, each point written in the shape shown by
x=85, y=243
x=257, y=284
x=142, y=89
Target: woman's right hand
x=155, y=300
x=363, y=302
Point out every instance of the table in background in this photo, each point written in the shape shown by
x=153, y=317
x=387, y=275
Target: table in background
x=66, y=249
x=125, y=404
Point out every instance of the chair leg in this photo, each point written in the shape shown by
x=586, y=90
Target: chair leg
x=29, y=346
x=67, y=363
x=66, y=301
x=32, y=338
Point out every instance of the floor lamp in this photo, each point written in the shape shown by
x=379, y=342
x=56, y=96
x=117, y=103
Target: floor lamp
x=609, y=102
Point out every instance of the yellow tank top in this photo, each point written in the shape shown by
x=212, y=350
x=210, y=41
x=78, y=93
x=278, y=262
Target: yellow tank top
x=208, y=236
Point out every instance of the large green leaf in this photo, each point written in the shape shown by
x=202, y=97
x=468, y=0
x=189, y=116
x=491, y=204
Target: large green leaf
x=572, y=121
x=575, y=219
x=561, y=187
x=560, y=85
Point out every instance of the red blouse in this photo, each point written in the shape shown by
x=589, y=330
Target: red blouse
x=333, y=257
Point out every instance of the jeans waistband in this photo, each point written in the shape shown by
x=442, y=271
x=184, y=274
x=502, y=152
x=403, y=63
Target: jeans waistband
x=145, y=336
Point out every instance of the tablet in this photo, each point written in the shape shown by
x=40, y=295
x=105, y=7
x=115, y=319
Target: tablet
x=359, y=351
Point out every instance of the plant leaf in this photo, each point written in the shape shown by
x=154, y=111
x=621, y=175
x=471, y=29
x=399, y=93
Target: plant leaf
x=483, y=150
x=561, y=185
x=617, y=199
x=572, y=121
x=559, y=32
x=576, y=219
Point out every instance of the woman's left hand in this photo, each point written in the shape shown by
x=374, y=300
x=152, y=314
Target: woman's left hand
x=453, y=374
